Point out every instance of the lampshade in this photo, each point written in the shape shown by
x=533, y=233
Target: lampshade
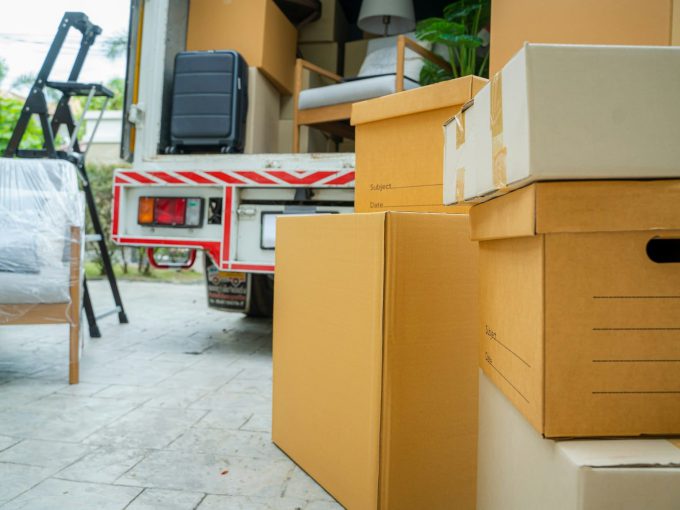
x=396, y=16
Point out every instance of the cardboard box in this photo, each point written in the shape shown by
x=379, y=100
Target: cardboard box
x=375, y=372
x=257, y=29
x=625, y=22
x=331, y=26
x=519, y=470
x=325, y=54
x=560, y=112
x=579, y=322
x=355, y=53
x=400, y=146
x=311, y=140
x=262, y=134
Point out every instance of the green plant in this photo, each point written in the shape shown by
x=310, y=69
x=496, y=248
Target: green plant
x=3, y=69
x=458, y=30
x=10, y=109
x=117, y=86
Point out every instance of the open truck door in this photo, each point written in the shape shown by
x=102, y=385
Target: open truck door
x=134, y=51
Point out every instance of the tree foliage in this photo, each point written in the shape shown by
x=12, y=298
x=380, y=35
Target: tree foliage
x=100, y=178
x=3, y=69
x=117, y=86
x=22, y=85
x=10, y=109
x=116, y=45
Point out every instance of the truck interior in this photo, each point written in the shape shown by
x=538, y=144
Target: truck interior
x=326, y=137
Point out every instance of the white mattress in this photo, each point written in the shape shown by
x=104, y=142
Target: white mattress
x=351, y=91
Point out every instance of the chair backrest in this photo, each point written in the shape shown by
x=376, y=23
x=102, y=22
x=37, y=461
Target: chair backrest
x=381, y=58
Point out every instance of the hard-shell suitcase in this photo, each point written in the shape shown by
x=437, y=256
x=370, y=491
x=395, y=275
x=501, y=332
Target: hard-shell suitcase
x=209, y=101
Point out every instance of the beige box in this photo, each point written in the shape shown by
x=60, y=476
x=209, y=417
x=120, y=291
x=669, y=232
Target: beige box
x=262, y=134
x=375, y=357
x=580, y=307
x=324, y=54
x=311, y=140
x=331, y=26
x=400, y=147
x=519, y=470
x=559, y=112
x=257, y=29
x=355, y=53
x=624, y=22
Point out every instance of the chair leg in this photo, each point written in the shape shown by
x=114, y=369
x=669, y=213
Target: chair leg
x=74, y=362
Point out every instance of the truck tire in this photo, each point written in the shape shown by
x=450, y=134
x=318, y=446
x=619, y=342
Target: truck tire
x=261, y=295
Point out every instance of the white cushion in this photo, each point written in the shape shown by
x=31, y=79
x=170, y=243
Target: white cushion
x=350, y=92
x=50, y=286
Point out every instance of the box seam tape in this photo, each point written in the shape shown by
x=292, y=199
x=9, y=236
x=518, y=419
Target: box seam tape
x=498, y=149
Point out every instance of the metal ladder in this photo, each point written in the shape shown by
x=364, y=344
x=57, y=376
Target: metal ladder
x=36, y=104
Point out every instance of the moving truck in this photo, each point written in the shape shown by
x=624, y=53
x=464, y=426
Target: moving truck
x=223, y=205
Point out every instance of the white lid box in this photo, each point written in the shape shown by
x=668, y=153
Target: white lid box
x=568, y=112
x=519, y=470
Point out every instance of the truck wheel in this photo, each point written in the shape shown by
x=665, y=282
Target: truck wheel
x=261, y=295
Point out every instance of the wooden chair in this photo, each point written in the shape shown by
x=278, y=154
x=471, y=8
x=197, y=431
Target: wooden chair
x=59, y=313
x=334, y=118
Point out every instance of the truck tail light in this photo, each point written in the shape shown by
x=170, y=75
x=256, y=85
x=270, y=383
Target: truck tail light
x=145, y=211
x=170, y=211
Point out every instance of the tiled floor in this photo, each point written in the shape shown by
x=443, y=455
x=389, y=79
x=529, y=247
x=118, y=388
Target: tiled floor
x=173, y=412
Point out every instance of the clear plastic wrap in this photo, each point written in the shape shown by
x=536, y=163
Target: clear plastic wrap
x=41, y=232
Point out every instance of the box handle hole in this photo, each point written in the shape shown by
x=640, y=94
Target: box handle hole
x=664, y=251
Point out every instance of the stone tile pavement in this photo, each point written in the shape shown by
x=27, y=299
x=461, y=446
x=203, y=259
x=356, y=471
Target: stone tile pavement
x=173, y=412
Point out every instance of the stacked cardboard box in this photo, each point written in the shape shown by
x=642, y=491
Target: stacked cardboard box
x=375, y=373
x=355, y=53
x=518, y=470
x=257, y=29
x=567, y=112
x=579, y=314
x=624, y=22
x=399, y=146
x=320, y=42
x=579, y=279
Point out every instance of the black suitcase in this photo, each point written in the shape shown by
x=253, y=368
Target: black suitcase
x=209, y=101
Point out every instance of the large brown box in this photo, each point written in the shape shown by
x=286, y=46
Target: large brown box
x=580, y=317
x=257, y=29
x=400, y=147
x=626, y=22
x=375, y=357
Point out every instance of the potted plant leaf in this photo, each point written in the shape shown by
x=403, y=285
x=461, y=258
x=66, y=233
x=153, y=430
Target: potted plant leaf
x=462, y=31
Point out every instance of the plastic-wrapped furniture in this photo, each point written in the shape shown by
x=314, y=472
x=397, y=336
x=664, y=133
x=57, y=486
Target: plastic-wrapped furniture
x=392, y=64
x=41, y=225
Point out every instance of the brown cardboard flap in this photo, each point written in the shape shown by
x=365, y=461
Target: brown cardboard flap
x=607, y=206
x=511, y=215
x=429, y=400
x=579, y=206
x=432, y=97
x=327, y=350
